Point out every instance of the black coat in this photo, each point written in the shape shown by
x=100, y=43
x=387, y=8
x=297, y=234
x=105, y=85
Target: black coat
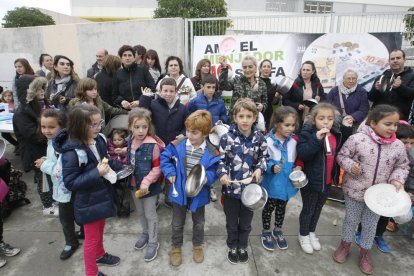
x=168, y=122
x=129, y=82
x=106, y=84
x=400, y=97
x=32, y=143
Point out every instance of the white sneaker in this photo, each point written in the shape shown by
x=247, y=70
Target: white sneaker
x=56, y=210
x=305, y=244
x=3, y=261
x=314, y=241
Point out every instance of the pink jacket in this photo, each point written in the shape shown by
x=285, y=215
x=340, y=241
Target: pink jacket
x=380, y=163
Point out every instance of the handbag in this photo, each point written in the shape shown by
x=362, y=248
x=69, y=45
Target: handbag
x=4, y=190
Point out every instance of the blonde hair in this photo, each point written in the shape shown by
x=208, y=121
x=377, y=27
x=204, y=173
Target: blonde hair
x=199, y=120
x=245, y=103
x=141, y=113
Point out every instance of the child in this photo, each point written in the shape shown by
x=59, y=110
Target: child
x=207, y=101
x=84, y=168
x=176, y=162
x=117, y=145
x=282, y=156
x=51, y=122
x=152, y=62
x=87, y=93
x=319, y=167
x=373, y=155
x=168, y=115
x=243, y=152
x=7, y=97
x=144, y=149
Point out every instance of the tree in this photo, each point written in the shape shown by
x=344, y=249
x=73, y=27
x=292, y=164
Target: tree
x=26, y=17
x=196, y=9
x=409, y=26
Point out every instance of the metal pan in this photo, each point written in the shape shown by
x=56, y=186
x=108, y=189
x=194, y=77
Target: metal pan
x=125, y=172
x=284, y=85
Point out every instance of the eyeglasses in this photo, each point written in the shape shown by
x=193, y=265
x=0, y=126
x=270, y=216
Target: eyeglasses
x=98, y=125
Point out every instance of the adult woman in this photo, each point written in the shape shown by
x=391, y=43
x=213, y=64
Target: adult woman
x=46, y=65
x=246, y=86
x=350, y=98
x=306, y=86
x=63, y=81
x=273, y=97
x=130, y=80
x=152, y=62
x=22, y=67
x=174, y=69
x=107, y=77
x=203, y=68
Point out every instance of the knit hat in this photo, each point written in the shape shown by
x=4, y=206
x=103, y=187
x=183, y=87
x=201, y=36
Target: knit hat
x=36, y=84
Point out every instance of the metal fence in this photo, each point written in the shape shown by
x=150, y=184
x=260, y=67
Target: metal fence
x=302, y=23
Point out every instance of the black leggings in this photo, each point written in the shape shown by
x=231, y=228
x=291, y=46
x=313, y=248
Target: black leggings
x=277, y=205
x=381, y=226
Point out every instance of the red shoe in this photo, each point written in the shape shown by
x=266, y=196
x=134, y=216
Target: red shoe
x=365, y=262
x=342, y=252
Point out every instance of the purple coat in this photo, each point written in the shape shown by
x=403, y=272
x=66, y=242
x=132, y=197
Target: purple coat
x=356, y=104
x=380, y=163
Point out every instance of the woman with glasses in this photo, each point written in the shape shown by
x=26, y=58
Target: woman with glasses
x=62, y=85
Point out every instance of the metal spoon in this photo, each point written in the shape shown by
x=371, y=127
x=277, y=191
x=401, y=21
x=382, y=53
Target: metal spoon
x=174, y=192
x=245, y=181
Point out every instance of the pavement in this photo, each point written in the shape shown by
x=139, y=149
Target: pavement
x=41, y=240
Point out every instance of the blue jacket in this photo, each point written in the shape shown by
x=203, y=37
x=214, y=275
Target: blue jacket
x=216, y=107
x=311, y=151
x=168, y=123
x=143, y=165
x=173, y=164
x=94, y=197
x=355, y=105
x=279, y=185
x=240, y=156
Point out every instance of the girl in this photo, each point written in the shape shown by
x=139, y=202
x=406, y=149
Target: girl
x=144, y=149
x=87, y=93
x=282, y=155
x=7, y=97
x=31, y=142
x=152, y=61
x=84, y=165
x=373, y=155
x=117, y=145
x=319, y=167
x=51, y=122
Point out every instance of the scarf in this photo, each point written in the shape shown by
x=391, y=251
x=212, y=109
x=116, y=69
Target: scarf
x=61, y=83
x=381, y=140
x=347, y=91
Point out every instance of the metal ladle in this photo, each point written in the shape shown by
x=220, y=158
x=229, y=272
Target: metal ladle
x=174, y=192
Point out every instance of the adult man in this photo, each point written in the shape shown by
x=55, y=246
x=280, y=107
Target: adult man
x=400, y=92
x=97, y=66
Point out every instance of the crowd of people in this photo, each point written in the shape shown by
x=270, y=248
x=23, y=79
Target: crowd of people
x=58, y=121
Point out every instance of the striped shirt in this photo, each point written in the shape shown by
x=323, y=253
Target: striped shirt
x=193, y=155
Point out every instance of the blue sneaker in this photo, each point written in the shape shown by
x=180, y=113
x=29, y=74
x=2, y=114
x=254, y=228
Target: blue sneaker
x=267, y=241
x=142, y=241
x=152, y=251
x=381, y=244
x=358, y=238
x=280, y=239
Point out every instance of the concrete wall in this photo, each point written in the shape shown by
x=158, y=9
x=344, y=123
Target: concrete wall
x=80, y=41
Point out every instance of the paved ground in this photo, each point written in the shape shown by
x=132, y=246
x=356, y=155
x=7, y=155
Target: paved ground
x=41, y=240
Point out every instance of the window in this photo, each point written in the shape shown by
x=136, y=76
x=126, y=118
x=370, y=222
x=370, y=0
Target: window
x=317, y=7
x=280, y=5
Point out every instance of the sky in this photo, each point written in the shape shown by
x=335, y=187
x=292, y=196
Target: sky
x=62, y=6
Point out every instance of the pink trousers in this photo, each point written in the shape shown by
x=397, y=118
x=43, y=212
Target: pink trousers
x=93, y=246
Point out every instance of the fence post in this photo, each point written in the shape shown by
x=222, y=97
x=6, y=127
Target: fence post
x=187, y=48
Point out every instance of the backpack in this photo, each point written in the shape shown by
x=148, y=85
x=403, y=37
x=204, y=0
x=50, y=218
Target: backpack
x=17, y=189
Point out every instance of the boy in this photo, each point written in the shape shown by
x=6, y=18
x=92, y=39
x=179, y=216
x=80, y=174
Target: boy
x=207, y=101
x=243, y=153
x=177, y=160
x=168, y=115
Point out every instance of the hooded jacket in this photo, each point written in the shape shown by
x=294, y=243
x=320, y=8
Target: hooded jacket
x=92, y=195
x=400, y=97
x=380, y=163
